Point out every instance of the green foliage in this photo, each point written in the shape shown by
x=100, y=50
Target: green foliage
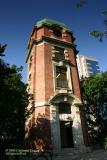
x=94, y=95
x=14, y=100
x=97, y=34
x=80, y=3
x=104, y=13
x=2, y=49
x=100, y=35
x=105, y=140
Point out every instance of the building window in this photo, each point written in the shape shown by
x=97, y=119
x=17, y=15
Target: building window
x=57, y=32
x=30, y=63
x=29, y=78
x=64, y=108
x=59, y=53
x=61, y=77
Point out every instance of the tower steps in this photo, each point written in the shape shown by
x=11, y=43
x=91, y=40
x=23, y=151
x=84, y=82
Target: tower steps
x=71, y=154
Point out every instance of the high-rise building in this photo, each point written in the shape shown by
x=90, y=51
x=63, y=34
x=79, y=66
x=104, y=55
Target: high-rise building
x=87, y=66
x=57, y=121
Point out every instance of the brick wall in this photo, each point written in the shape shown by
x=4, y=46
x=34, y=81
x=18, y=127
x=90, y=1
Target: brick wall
x=74, y=74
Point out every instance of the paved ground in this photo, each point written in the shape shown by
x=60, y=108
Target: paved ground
x=95, y=155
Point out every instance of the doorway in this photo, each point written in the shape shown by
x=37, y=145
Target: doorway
x=66, y=134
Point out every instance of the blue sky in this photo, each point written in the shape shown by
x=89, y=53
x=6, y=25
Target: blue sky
x=17, y=18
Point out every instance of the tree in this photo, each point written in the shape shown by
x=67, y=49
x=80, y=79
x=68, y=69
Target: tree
x=96, y=33
x=14, y=100
x=94, y=95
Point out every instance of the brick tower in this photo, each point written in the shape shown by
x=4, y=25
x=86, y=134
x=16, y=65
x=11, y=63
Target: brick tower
x=57, y=122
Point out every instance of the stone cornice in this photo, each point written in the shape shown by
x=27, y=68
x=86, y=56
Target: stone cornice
x=58, y=42
x=53, y=41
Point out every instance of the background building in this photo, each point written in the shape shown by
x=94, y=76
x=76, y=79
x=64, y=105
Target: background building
x=57, y=122
x=87, y=66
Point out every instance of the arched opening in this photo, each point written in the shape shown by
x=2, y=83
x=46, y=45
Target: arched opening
x=66, y=134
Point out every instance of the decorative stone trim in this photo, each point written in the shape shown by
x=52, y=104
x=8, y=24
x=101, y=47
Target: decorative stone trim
x=61, y=97
x=40, y=104
x=77, y=101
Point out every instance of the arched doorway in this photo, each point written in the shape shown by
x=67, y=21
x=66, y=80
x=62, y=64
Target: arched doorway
x=66, y=134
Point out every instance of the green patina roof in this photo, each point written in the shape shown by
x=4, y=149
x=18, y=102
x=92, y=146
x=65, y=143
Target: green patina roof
x=51, y=22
